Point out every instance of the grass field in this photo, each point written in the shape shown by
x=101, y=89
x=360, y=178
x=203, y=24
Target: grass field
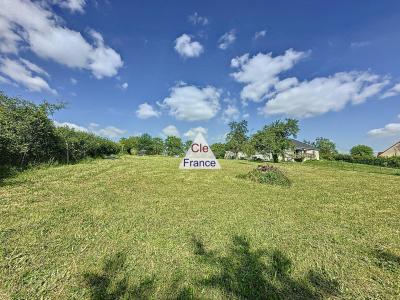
x=139, y=228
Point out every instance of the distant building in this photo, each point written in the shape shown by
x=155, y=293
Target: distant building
x=301, y=152
x=391, y=151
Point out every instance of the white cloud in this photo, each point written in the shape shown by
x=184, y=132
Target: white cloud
x=71, y=125
x=4, y=80
x=192, y=132
x=171, y=130
x=192, y=103
x=146, y=111
x=360, y=44
x=230, y=113
x=33, y=25
x=20, y=73
x=35, y=68
x=124, y=86
x=393, y=91
x=259, y=34
x=186, y=47
x=324, y=94
x=108, y=132
x=72, y=5
x=227, y=39
x=260, y=72
x=392, y=129
x=73, y=81
x=197, y=19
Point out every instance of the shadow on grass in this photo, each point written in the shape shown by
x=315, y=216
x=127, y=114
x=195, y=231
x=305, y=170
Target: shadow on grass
x=386, y=259
x=244, y=275
x=112, y=283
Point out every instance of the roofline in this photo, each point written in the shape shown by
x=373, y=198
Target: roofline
x=379, y=153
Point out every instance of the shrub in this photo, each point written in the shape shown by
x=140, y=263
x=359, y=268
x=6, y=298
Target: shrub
x=267, y=174
x=390, y=162
x=76, y=145
x=360, y=151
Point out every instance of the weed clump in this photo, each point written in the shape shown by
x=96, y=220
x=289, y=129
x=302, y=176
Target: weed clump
x=267, y=174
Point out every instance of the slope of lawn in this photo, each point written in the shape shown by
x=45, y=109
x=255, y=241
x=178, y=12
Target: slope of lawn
x=139, y=228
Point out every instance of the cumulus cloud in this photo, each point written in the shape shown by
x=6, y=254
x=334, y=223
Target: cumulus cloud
x=259, y=34
x=124, y=86
x=395, y=90
x=70, y=125
x=227, y=39
x=171, y=130
x=230, y=113
x=23, y=73
x=197, y=19
x=186, y=47
x=260, y=72
x=192, y=103
x=108, y=132
x=392, y=129
x=146, y=111
x=192, y=132
x=33, y=25
x=323, y=94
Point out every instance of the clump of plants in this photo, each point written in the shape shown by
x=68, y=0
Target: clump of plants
x=267, y=174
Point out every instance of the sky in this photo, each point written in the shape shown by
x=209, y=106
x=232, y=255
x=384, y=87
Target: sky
x=126, y=68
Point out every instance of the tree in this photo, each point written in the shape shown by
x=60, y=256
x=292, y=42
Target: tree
x=249, y=149
x=327, y=148
x=362, y=151
x=274, y=138
x=237, y=136
x=158, y=146
x=173, y=146
x=187, y=145
x=130, y=144
x=27, y=134
x=218, y=149
x=145, y=143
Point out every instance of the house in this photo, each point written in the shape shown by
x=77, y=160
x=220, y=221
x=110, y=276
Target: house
x=301, y=152
x=391, y=151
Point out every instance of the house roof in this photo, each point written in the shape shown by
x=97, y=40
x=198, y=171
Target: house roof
x=380, y=153
x=302, y=146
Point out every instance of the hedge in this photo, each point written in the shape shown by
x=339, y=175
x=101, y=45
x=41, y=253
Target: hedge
x=390, y=162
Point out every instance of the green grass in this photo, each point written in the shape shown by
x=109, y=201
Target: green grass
x=139, y=228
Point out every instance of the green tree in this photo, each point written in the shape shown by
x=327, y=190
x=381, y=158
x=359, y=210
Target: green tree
x=187, y=145
x=173, y=146
x=158, y=146
x=237, y=136
x=145, y=143
x=218, y=149
x=274, y=138
x=249, y=149
x=361, y=151
x=130, y=144
x=327, y=148
x=27, y=134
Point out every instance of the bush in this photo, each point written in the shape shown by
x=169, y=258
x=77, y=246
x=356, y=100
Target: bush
x=361, y=151
x=390, y=162
x=267, y=174
x=77, y=145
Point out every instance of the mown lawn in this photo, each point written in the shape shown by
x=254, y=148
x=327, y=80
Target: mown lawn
x=139, y=228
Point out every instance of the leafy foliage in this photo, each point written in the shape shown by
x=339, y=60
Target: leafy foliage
x=237, y=136
x=327, y=148
x=173, y=146
x=390, y=162
x=362, y=151
x=28, y=136
x=218, y=149
x=274, y=138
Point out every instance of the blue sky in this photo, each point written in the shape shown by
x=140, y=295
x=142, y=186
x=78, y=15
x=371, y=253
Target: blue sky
x=178, y=67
